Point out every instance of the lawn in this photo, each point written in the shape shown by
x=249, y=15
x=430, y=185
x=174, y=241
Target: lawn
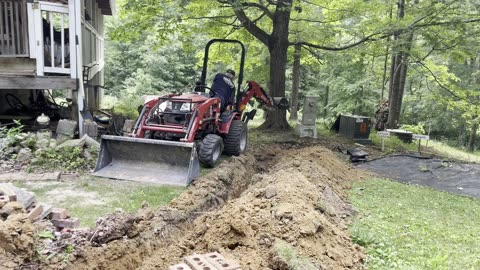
x=411, y=227
x=88, y=198
x=455, y=153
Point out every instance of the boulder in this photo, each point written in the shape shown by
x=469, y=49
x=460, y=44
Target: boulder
x=73, y=143
x=67, y=127
x=24, y=155
x=44, y=134
x=42, y=144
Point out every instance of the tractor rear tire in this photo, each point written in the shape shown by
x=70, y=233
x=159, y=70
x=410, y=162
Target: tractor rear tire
x=236, y=140
x=210, y=150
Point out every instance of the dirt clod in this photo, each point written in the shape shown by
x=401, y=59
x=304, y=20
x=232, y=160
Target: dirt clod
x=16, y=236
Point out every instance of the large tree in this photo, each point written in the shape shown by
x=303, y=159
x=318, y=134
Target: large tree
x=315, y=25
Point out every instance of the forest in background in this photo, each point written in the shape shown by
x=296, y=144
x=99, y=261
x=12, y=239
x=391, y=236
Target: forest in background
x=348, y=52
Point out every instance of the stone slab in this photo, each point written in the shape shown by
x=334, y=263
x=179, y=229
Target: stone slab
x=47, y=209
x=181, y=266
x=198, y=262
x=66, y=223
x=58, y=213
x=25, y=198
x=8, y=192
x=34, y=211
x=306, y=131
x=217, y=260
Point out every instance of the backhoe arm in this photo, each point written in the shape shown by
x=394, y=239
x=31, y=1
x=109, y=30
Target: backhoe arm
x=256, y=91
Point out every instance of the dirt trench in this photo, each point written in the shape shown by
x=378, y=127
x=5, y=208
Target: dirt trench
x=257, y=209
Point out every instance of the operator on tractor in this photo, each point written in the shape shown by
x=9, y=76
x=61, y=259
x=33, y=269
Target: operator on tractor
x=223, y=87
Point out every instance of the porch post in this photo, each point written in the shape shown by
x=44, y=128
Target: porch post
x=76, y=60
x=38, y=38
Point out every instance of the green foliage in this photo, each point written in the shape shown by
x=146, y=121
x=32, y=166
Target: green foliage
x=416, y=129
x=322, y=207
x=288, y=254
x=69, y=249
x=157, y=46
x=46, y=234
x=392, y=143
x=11, y=132
x=144, y=67
x=410, y=227
x=66, y=159
x=128, y=107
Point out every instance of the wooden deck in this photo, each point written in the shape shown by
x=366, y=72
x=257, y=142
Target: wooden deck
x=37, y=82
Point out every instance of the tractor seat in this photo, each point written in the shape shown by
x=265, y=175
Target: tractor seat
x=225, y=116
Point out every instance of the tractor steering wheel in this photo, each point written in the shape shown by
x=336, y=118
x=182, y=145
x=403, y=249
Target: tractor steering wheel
x=200, y=89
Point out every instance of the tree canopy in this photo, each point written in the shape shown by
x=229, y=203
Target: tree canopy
x=353, y=53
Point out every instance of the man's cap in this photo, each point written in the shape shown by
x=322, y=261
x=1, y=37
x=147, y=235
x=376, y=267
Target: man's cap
x=231, y=71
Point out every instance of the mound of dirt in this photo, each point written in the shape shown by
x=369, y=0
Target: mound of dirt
x=122, y=241
x=281, y=206
x=297, y=205
x=16, y=235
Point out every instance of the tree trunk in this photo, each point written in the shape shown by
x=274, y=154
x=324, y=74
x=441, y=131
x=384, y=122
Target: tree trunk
x=385, y=63
x=384, y=79
x=277, y=46
x=473, y=138
x=325, y=101
x=398, y=72
x=296, y=83
x=277, y=119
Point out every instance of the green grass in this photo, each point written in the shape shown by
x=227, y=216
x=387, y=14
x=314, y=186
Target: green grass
x=289, y=255
x=90, y=198
x=455, y=153
x=411, y=227
x=394, y=144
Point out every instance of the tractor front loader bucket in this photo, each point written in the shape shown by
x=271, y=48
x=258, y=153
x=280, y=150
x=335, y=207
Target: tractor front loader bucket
x=147, y=160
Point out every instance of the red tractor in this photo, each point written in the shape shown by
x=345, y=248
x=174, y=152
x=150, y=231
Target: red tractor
x=174, y=132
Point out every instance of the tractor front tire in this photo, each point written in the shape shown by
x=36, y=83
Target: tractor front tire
x=236, y=140
x=210, y=150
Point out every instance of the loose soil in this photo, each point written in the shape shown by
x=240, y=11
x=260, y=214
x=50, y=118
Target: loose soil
x=286, y=194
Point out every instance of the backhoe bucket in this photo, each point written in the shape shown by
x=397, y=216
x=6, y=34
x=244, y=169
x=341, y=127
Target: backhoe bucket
x=147, y=160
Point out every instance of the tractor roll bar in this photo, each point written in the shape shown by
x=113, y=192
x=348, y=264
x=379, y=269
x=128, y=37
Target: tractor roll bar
x=242, y=63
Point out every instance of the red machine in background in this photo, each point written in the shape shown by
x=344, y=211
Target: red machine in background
x=175, y=132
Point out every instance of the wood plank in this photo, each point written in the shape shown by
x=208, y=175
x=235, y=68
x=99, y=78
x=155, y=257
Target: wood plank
x=24, y=26
x=38, y=23
x=57, y=70
x=29, y=24
x=12, y=25
x=7, y=33
x=73, y=32
x=18, y=65
x=2, y=47
x=17, y=8
x=52, y=40
x=46, y=82
x=22, y=177
x=63, y=42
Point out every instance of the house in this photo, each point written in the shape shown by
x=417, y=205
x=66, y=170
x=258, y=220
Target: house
x=51, y=44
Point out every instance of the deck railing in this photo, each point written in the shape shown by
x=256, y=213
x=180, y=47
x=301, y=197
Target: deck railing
x=93, y=47
x=13, y=28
